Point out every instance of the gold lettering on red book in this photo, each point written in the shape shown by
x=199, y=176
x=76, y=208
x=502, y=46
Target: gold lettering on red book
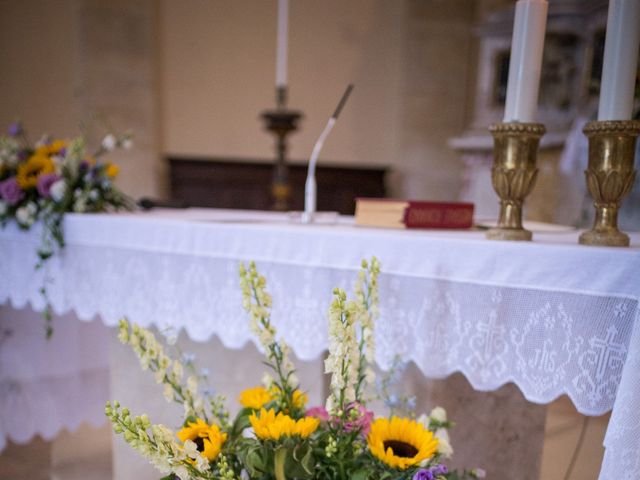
x=458, y=216
x=425, y=216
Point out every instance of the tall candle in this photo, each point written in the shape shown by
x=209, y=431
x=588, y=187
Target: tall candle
x=283, y=33
x=526, y=60
x=620, y=60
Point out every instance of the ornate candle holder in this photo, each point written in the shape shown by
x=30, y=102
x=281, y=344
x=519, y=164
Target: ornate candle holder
x=281, y=122
x=610, y=177
x=513, y=174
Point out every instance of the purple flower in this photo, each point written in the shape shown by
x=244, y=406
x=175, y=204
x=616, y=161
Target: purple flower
x=439, y=469
x=423, y=474
x=10, y=191
x=362, y=418
x=45, y=182
x=431, y=473
x=15, y=129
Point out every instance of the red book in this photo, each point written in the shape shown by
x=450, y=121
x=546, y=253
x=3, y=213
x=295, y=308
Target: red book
x=382, y=212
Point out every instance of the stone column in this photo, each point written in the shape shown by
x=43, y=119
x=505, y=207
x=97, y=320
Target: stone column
x=118, y=84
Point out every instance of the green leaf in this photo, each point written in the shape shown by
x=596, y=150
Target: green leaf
x=241, y=422
x=359, y=475
x=300, y=463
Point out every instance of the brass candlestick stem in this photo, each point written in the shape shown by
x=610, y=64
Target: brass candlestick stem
x=281, y=122
x=513, y=175
x=610, y=177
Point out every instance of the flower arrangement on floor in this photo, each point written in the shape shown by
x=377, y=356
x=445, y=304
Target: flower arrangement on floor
x=275, y=435
x=46, y=180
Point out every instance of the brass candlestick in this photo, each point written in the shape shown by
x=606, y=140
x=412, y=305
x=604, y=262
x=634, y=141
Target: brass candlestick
x=513, y=174
x=281, y=122
x=610, y=177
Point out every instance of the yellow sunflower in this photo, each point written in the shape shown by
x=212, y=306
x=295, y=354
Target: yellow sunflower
x=255, y=397
x=112, y=170
x=29, y=171
x=401, y=442
x=208, y=438
x=269, y=426
x=299, y=398
x=56, y=146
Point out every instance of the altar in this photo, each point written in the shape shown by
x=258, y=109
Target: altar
x=551, y=316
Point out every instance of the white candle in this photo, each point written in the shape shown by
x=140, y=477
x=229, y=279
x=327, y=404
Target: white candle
x=283, y=33
x=526, y=60
x=620, y=60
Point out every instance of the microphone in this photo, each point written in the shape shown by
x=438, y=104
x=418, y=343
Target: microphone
x=310, y=187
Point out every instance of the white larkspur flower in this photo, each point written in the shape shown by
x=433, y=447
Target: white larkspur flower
x=80, y=205
x=438, y=414
x=178, y=370
x=109, y=142
x=444, y=446
x=344, y=357
x=424, y=420
x=182, y=472
x=192, y=385
x=45, y=139
x=26, y=215
x=191, y=449
x=127, y=143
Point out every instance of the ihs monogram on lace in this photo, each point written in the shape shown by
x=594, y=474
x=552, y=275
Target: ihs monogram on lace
x=544, y=347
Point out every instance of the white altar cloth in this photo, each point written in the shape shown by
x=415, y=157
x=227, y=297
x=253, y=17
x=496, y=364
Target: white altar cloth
x=551, y=316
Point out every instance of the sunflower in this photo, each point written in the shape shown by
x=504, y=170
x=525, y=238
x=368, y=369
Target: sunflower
x=112, y=170
x=298, y=398
x=401, y=442
x=57, y=146
x=255, y=398
x=208, y=438
x=29, y=172
x=269, y=426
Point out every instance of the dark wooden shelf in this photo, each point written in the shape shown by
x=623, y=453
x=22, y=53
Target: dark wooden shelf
x=246, y=183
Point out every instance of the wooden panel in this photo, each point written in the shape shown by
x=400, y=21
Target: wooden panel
x=243, y=184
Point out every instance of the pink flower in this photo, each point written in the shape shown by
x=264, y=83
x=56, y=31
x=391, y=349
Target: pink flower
x=319, y=412
x=359, y=418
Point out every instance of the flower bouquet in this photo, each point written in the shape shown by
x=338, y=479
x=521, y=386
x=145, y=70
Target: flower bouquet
x=275, y=435
x=54, y=176
x=46, y=180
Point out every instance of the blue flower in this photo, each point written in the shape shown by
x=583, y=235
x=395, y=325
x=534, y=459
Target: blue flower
x=15, y=129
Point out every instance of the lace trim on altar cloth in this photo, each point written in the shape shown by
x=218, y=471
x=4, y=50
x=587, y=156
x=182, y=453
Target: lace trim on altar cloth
x=548, y=343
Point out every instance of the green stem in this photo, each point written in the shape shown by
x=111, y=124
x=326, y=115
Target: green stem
x=278, y=463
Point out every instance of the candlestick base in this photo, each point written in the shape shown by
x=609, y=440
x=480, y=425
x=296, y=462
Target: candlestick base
x=281, y=122
x=513, y=175
x=610, y=177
